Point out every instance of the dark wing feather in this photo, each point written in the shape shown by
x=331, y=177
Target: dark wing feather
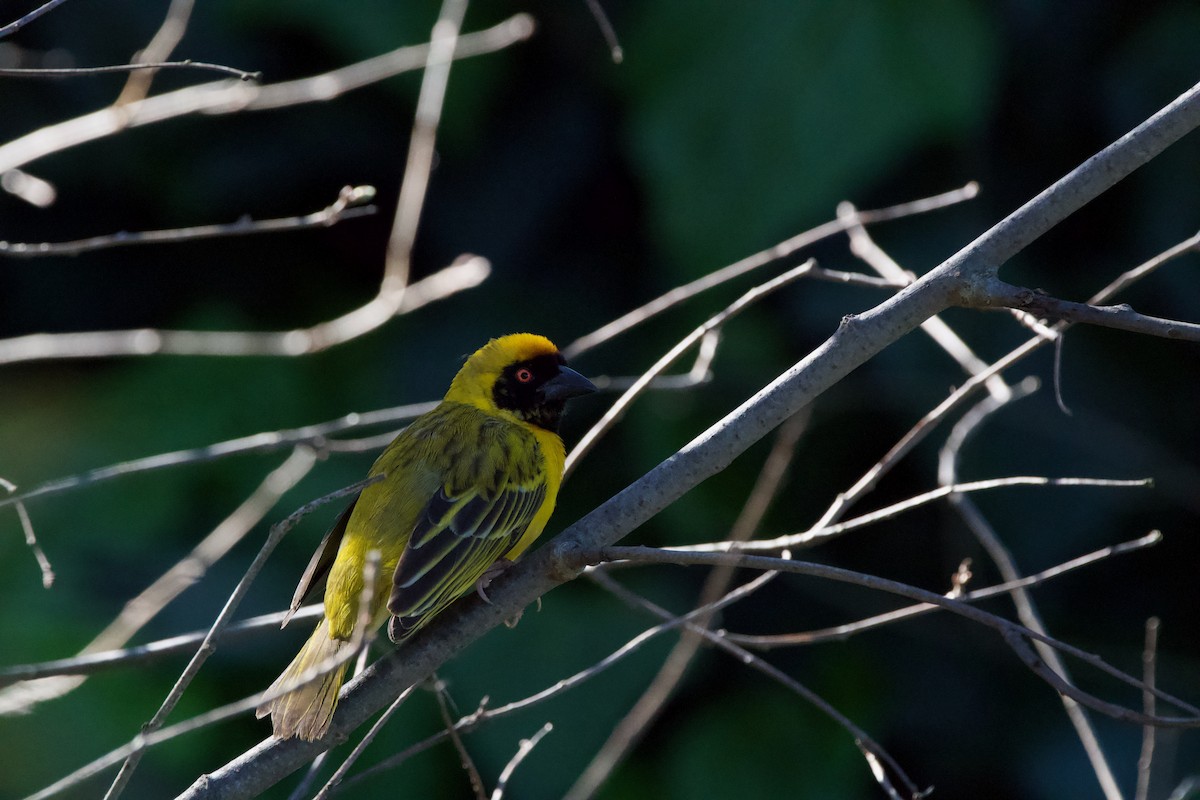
x=321, y=561
x=455, y=540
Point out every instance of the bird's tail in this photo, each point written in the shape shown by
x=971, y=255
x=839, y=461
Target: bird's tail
x=307, y=710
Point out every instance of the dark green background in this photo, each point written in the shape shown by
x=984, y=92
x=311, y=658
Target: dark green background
x=592, y=188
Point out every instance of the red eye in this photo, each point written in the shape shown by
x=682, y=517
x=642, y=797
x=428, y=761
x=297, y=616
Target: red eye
x=524, y=375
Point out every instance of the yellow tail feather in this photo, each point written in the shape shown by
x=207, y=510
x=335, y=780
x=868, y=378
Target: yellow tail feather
x=307, y=710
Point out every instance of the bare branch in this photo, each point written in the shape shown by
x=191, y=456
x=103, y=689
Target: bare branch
x=615, y=51
x=464, y=758
x=843, y=632
x=21, y=22
x=863, y=246
x=813, y=536
x=20, y=698
x=339, y=775
x=484, y=713
x=162, y=44
x=77, y=72
x=524, y=749
x=760, y=259
x=1026, y=609
x=313, y=435
x=89, y=663
x=856, y=340
x=225, y=97
x=664, y=363
x=29, y=188
x=31, y=541
x=636, y=723
x=466, y=273
x=1146, y=757
x=872, y=751
x=363, y=636
x=1121, y=317
x=349, y=204
x=442, y=44
x=1010, y=630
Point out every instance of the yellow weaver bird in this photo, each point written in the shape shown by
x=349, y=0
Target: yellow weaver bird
x=466, y=488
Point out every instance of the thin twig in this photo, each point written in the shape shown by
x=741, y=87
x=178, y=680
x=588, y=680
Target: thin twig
x=650, y=555
x=523, y=750
x=617, y=409
x=843, y=632
x=75, y=72
x=615, y=52
x=874, y=753
x=760, y=259
x=1121, y=317
x=21, y=22
x=637, y=721
x=464, y=757
x=1145, y=762
x=149, y=602
x=363, y=636
x=235, y=97
x=266, y=442
x=168, y=36
x=814, y=536
x=442, y=43
x=133, y=656
x=339, y=776
x=349, y=205
x=276, y=484
x=484, y=713
x=466, y=273
x=31, y=541
x=1027, y=612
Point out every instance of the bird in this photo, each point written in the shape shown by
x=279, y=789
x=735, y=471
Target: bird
x=459, y=494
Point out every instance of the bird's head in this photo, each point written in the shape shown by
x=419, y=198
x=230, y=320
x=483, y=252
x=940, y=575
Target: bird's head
x=522, y=375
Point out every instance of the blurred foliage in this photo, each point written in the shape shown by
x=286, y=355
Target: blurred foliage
x=592, y=188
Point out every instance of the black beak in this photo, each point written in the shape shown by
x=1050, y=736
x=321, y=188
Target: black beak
x=566, y=384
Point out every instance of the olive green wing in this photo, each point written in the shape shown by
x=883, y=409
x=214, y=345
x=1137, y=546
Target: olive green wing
x=321, y=561
x=456, y=538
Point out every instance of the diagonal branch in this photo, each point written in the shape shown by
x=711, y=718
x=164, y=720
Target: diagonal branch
x=962, y=277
